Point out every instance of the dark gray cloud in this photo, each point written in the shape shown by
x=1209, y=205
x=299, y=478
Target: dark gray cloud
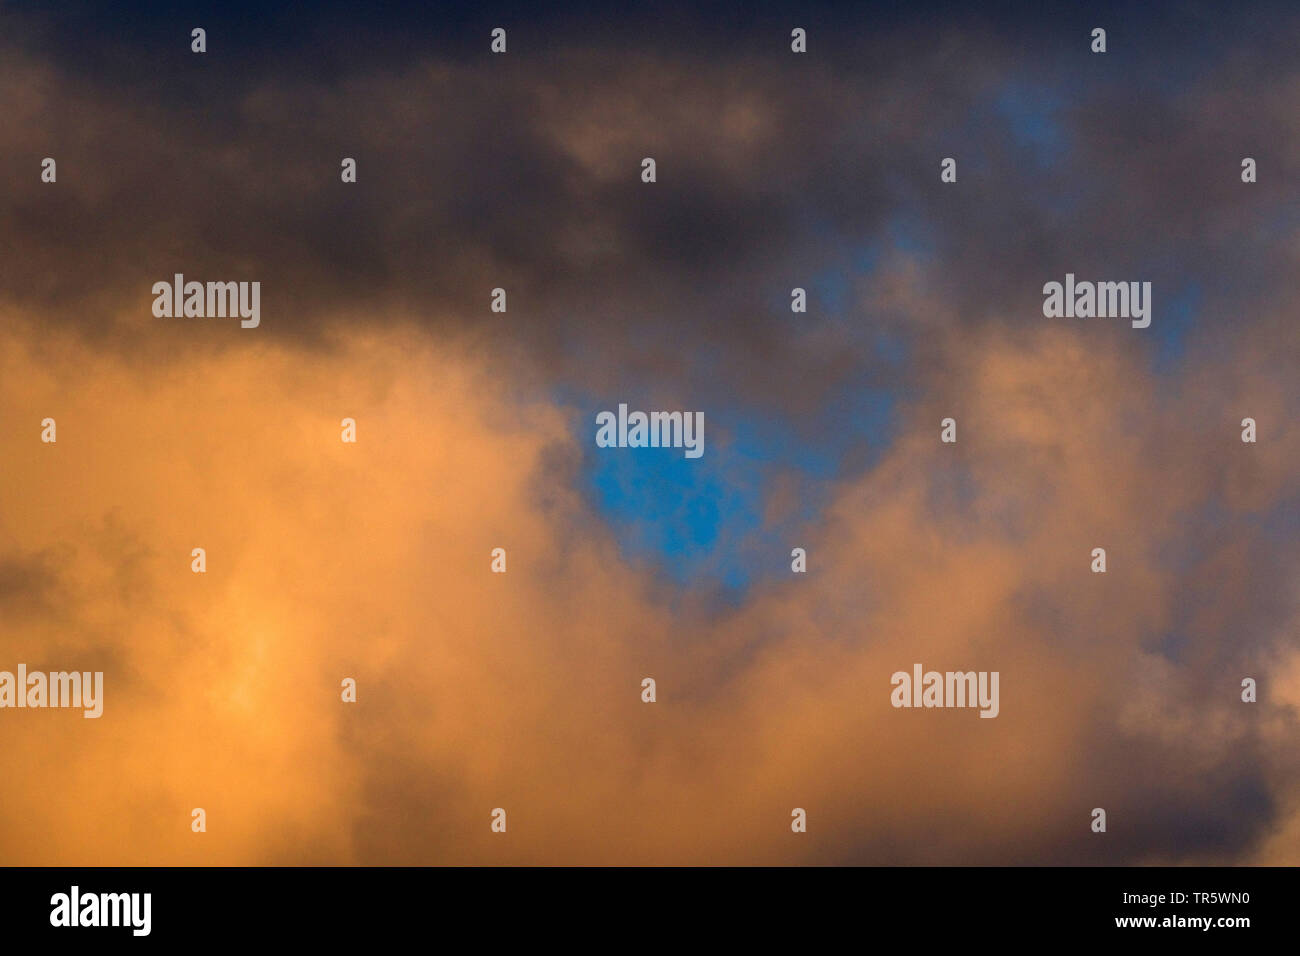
x=522, y=172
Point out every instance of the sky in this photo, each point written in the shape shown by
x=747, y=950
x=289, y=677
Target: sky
x=476, y=430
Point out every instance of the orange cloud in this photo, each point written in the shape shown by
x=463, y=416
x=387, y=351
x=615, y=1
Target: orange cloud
x=477, y=690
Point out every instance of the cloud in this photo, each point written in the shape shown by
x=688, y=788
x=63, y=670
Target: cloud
x=521, y=690
x=479, y=690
